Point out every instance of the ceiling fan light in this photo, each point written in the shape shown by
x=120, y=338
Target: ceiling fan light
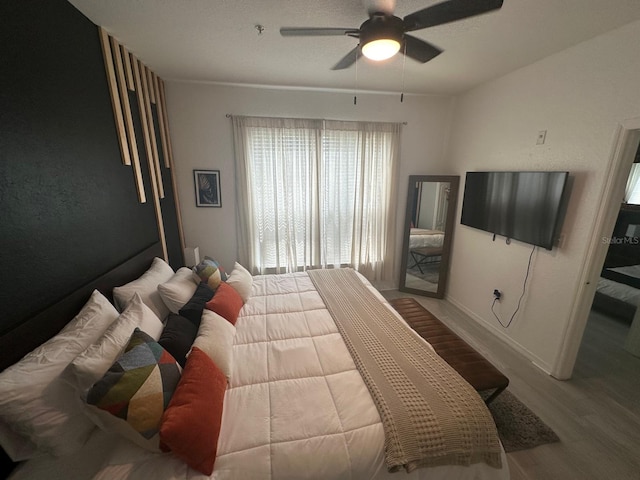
x=381, y=49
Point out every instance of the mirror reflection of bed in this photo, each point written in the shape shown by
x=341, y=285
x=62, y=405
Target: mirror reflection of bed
x=427, y=237
x=423, y=264
x=618, y=290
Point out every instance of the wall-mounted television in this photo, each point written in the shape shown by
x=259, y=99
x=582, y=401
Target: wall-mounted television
x=522, y=206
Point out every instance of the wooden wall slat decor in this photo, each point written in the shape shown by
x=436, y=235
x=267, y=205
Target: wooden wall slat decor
x=161, y=122
x=163, y=125
x=151, y=128
x=166, y=120
x=128, y=120
x=127, y=73
x=152, y=88
x=142, y=102
x=143, y=116
x=115, y=97
x=127, y=68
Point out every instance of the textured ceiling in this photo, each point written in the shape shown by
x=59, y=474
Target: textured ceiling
x=216, y=40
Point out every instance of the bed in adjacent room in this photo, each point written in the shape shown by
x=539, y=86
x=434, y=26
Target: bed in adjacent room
x=274, y=383
x=618, y=291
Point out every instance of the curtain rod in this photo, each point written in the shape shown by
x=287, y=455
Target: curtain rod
x=228, y=115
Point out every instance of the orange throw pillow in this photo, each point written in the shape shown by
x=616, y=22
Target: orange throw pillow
x=226, y=302
x=191, y=423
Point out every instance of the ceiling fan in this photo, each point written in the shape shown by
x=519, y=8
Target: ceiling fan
x=383, y=34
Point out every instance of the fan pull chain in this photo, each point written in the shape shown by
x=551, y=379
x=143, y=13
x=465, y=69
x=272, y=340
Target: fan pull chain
x=404, y=61
x=355, y=93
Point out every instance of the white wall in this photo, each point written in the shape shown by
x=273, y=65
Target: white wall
x=579, y=96
x=202, y=139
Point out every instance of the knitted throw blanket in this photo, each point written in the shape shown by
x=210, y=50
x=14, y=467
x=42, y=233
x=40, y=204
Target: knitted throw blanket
x=431, y=416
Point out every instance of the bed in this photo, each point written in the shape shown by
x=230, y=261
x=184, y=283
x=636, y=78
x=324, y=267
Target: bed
x=618, y=291
x=421, y=237
x=295, y=406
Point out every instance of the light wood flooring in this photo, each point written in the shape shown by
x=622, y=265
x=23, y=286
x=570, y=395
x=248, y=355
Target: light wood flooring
x=596, y=414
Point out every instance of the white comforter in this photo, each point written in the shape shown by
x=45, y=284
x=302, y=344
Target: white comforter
x=296, y=407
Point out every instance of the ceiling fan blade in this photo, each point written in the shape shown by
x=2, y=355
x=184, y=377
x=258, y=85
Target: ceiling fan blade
x=348, y=60
x=448, y=11
x=419, y=49
x=311, y=32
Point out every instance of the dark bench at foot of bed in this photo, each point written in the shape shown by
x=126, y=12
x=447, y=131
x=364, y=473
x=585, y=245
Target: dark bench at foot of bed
x=471, y=366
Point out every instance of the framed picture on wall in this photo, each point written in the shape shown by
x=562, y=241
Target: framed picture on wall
x=207, y=183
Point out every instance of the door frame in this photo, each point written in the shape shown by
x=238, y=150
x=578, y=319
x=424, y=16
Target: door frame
x=624, y=148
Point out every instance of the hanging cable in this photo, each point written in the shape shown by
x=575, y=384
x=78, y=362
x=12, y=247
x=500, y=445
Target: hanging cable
x=404, y=61
x=524, y=286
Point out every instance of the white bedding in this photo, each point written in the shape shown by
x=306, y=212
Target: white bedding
x=296, y=406
x=420, y=237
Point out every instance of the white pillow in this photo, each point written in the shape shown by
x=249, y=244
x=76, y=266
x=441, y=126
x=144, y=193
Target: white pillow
x=178, y=290
x=17, y=447
x=241, y=280
x=215, y=338
x=112, y=424
x=147, y=287
x=35, y=403
x=91, y=365
x=149, y=321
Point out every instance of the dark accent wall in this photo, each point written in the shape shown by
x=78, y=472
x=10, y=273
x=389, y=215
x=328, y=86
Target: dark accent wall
x=69, y=209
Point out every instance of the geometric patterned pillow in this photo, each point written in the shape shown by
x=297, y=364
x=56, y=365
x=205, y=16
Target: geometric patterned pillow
x=138, y=386
x=210, y=272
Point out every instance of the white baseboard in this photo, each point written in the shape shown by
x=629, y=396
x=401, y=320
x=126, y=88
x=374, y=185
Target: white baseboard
x=537, y=361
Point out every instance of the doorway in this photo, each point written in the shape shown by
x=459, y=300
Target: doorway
x=611, y=325
x=623, y=153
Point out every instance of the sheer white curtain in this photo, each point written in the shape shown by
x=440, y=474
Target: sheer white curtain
x=314, y=193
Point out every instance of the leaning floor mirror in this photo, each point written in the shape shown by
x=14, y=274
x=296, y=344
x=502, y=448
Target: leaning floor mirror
x=428, y=230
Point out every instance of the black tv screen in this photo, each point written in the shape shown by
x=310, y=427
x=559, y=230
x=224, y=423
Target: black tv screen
x=522, y=206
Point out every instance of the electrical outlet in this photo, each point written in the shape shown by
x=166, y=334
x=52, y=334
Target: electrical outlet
x=497, y=294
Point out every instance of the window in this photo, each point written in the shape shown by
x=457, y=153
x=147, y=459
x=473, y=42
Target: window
x=632, y=191
x=316, y=193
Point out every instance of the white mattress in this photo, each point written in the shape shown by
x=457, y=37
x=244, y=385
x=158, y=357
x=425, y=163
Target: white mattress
x=620, y=291
x=420, y=237
x=296, y=407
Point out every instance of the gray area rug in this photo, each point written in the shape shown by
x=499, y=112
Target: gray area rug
x=430, y=272
x=518, y=427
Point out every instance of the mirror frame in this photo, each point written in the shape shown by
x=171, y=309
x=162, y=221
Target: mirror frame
x=454, y=181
